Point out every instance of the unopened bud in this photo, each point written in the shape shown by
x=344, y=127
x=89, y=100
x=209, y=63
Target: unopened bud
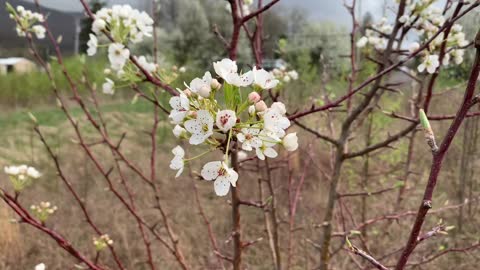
x=187, y=92
x=254, y=97
x=251, y=110
x=215, y=84
x=204, y=91
x=260, y=106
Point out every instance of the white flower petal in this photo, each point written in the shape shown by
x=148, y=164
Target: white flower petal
x=210, y=170
x=221, y=186
x=270, y=152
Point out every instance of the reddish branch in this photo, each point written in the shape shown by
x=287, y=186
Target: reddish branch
x=439, y=156
x=151, y=78
x=385, y=71
x=61, y=241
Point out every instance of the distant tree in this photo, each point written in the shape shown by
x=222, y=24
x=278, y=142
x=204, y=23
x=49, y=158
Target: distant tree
x=86, y=25
x=366, y=21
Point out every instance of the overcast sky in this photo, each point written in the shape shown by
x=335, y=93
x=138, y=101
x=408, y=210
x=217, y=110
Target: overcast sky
x=318, y=10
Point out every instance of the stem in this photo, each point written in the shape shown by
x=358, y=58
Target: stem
x=236, y=230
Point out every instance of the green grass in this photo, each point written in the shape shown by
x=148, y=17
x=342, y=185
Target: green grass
x=53, y=116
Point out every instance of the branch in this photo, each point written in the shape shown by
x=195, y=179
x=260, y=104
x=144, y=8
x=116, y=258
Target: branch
x=355, y=250
x=439, y=156
x=258, y=11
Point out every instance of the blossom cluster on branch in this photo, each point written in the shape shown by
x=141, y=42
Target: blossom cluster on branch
x=27, y=21
x=21, y=176
x=426, y=20
x=213, y=114
x=121, y=25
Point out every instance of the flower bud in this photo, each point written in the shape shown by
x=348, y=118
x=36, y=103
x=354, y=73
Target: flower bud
x=254, y=97
x=242, y=155
x=290, y=142
x=215, y=84
x=178, y=131
x=107, y=71
x=187, y=92
x=204, y=91
x=260, y=106
x=251, y=110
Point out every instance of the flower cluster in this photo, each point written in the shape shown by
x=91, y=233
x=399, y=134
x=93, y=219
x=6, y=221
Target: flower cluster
x=377, y=35
x=122, y=25
x=425, y=19
x=243, y=119
x=43, y=210
x=282, y=74
x=27, y=21
x=21, y=176
x=102, y=242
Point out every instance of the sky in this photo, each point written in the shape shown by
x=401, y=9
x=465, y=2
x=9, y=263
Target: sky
x=317, y=10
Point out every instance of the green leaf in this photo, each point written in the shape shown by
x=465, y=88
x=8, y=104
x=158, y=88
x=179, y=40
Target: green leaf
x=349, y=244
x=32, y=117
x=10, y=9
x=232, y=96
x=424, y=120
x=399, y=184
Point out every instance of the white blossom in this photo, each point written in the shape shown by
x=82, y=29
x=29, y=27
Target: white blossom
x=225, y=68
x=178, y=131
x=266, y=150
x=362, y=42
x=202, y=86
x=33, y=173
x=293, y=74
x=118, y=55
x=290, y=142
x=264, y=79
x=108, y=87
x=226, y=119
x=39, y=31
x=40, y=266
x=242, y=155
x=276, y=122
x=149, y=67
x=222, y=174
x=98, y=25
x=92, y=45
x=413, y=47
x=180, y=106
x=178, y=162
x=249, y=138
x=279, y=107
x=430, y=63
x=201, y=128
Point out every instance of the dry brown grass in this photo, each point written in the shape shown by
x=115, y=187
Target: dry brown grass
x=21, y=247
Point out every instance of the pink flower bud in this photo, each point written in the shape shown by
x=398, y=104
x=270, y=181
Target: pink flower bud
x=254, y=97
x=187, y=92
x=260, y=106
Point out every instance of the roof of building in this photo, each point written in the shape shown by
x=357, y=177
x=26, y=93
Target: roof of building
x=11, y=60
